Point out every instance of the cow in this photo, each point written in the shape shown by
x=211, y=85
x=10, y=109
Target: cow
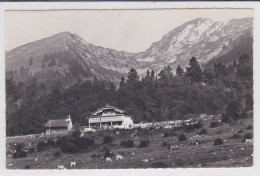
x=197, y=143
x=108, y=159
x=73, y=164
x=249, y=141
x=61, y=167
x=145, y=160
x=173, y=148
x=119, y=157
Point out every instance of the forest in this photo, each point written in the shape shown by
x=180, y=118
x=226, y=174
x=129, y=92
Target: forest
x=169, y=94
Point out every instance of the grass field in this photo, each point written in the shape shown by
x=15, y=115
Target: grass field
x=232, y=153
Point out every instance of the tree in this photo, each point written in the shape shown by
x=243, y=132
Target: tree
x=179, y=71
x=122, y=82
x=148, y=73
x=194, y=70
x=166, y=73
x=132, y=75
x=30, y=61
x=152, y=74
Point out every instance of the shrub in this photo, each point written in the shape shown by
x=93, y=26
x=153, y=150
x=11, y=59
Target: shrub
x=151, y=128
x=165, y=144
x=218, y=141
x=107, y=140
x=236, y=136
x=19, y=151
x=41, y=145
x=95, y=155
x=249, y=127
x=159, y=165
x=166, y=134
x=69, y=147
x=31, y=150
x=76, y=133
x=198, y=125
x=214, y=124
x=240, y=131
x=108, y=154
x=69, y=144
x=248, y=136
x=57, y=153
x=182, y=137
x=179, y=162
x=128, y=144
x=203, y=131
x=50, y=142
x=27, y=166
x=143, y=144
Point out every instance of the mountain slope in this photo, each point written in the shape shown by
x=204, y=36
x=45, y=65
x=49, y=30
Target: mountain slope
x=202, y=38
x=67, y=54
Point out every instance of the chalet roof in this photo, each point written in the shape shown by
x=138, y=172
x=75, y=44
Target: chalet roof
x=109, y=107
x=57, y=123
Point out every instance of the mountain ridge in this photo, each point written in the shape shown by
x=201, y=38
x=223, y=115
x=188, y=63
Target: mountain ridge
x=203, y=38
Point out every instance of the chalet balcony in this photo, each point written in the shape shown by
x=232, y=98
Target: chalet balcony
x=106, y=119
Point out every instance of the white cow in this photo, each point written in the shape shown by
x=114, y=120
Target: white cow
x=119, y=157
x=61, y=167
x=73, y=164
x=173, y=147
x=108, y=159
x=249, y=141
x=197, y=143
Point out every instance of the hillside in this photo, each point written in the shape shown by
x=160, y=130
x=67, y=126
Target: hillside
x=63, y=53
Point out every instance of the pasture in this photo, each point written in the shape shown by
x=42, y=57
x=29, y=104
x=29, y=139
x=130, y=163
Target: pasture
x=232, y=153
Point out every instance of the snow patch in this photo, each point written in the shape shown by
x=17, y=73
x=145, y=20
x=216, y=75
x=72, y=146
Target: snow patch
x=148, y=59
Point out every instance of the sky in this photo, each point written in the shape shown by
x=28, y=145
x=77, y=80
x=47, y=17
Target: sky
x=123, y=30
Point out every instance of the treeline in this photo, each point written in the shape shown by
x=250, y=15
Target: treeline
x=167, y=95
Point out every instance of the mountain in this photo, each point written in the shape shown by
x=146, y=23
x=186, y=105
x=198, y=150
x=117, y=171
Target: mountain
x=67, y=56
x=202, y=38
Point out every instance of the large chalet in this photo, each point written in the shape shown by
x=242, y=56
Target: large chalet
x=110, y=116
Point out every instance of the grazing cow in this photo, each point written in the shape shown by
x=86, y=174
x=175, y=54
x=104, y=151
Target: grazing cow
x=73, y=164
x=119, y=157
x=249, y=141
x=145, y=160
x=61, y=167
x=173, y=147
x=108, y=159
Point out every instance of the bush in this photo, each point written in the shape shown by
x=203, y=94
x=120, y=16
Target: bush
x=248, y=136
x=107, y=140
x=203, y=131
x=218, y=141
x=179, y=162
x=95, y=155
x=69, y=144
x=57, y=153
x=249, y=127
x=143, y=144
x=236, y=136
x=166, y=134
x=19, y=151
x=50, y=142
x=182, y=137
x=214, y=124
x=31, y=150
x=240, y=131
x=128, y=144
x=165, y=144
x=108, y=154
x=41, y=145
x=76, y=133
x=27, y=166
x=19, y=154
x=198, y=125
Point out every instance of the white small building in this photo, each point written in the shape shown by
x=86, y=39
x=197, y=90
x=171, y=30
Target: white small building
x=59, y=125
x=110, y=116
